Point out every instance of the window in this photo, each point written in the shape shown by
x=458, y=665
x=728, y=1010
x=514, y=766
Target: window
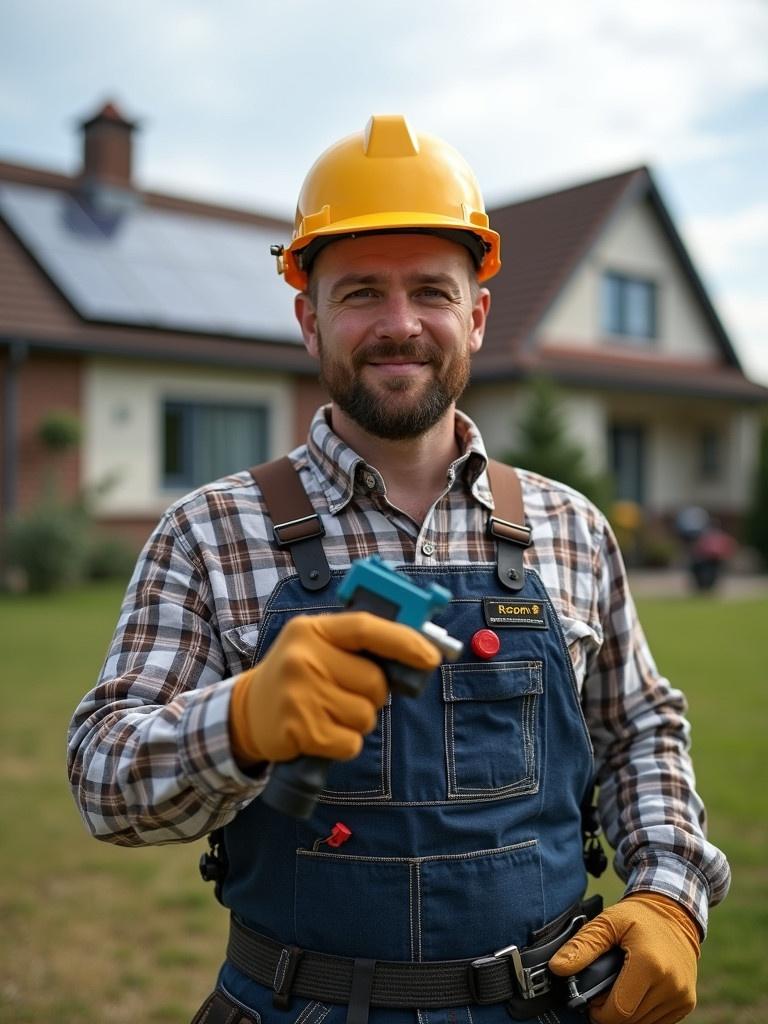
x=627, y=450
x=202, y=441
x=710, y=454
x=628, y=306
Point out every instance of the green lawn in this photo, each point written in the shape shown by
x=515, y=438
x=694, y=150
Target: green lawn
x=92, y=933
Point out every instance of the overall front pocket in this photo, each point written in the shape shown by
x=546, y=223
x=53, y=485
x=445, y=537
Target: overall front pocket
x=436, y=907
x=491, y=740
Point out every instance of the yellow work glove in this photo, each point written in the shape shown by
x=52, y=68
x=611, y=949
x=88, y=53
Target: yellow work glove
x=657, y=984
x=313, y=693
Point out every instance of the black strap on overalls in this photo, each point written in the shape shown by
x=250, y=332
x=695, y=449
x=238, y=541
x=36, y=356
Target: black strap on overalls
x=296, y=524
x=298, y=527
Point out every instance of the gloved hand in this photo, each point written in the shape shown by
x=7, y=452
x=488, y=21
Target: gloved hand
x=657, y=984
x=312, y=694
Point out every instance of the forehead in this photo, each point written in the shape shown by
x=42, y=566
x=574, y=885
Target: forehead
x=388, y=255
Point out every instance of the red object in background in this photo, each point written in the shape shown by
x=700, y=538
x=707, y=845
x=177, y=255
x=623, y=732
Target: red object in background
x=715, y=544
x=485, y=644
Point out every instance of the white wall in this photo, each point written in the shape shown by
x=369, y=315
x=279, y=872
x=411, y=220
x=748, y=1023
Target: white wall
x=632, y=244
x=672, y=427
x=497, y=409
x=123, y=423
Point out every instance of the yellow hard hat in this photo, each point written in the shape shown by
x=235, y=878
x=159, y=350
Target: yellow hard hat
x=386, y=179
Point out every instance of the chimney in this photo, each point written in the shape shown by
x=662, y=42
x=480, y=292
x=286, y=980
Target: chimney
x=107, y=147
x=105, y=183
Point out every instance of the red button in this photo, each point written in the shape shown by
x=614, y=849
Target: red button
x=485, y=644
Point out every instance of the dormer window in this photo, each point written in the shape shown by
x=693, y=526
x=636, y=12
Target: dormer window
x=628, y=307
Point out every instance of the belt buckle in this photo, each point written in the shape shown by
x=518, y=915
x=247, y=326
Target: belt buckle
x=531, y=981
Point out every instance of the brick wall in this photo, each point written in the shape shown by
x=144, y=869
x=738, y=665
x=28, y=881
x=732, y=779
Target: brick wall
x=46, y=383
x=309, y=395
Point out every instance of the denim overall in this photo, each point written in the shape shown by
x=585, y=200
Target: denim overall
x=463, y=807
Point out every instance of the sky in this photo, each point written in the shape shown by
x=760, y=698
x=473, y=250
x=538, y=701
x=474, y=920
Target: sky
x=236, y=98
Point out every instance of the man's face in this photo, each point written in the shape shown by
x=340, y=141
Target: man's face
x=394, y=321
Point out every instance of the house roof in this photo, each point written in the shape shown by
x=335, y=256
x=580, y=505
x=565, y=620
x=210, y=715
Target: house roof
x=119, y=260
x=545, y=240
x=625, y=371
x=153, y=275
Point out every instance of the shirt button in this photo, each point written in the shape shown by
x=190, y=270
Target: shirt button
x=428, y=547
x=370, y=481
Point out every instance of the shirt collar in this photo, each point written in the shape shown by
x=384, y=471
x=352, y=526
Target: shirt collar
x=337, y=466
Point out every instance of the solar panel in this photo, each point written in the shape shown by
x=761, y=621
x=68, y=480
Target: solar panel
x=154, y=267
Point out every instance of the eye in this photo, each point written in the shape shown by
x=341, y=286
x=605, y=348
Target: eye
x=360, y=293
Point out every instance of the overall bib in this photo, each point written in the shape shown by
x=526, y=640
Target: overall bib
x=463, y=808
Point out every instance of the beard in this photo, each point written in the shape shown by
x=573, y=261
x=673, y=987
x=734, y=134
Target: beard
x=403, y=408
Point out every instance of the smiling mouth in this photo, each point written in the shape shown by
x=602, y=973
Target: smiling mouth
x=398, y=367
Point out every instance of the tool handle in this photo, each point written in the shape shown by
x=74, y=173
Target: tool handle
x=294, y=786
x=402, y=679
x=595, y=978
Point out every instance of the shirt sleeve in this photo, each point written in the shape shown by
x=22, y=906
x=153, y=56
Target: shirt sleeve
x=149, y=753
x=649, y=807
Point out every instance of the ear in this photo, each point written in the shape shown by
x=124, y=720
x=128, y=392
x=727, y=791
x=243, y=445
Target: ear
x=479, y=316
x=304, y=309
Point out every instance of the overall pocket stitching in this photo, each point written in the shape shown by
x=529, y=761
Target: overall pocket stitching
x=470, y=855
x=384, y=792
x=527, y=783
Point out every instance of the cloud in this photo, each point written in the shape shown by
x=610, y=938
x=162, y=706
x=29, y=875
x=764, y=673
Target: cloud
x=745, y=315
x=732, y=242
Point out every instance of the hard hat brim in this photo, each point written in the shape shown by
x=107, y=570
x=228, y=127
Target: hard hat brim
x=390, y=223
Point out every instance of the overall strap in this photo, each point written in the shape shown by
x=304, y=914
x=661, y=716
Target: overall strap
x=296, y=524
x=507, y=524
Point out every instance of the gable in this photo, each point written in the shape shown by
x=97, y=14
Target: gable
x=635, y=245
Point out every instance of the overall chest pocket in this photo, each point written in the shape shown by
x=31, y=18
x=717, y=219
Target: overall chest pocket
x=368, y=776
x=491, y=714
x=365, y=778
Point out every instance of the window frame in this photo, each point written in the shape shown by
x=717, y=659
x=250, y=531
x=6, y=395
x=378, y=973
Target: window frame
x=190, y=408
x=622, y=283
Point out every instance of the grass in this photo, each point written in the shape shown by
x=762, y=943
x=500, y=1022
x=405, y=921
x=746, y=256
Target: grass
x=92, y=933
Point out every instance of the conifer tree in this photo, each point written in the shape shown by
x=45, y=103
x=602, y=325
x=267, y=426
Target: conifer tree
x=545, y=447
x=757, y=520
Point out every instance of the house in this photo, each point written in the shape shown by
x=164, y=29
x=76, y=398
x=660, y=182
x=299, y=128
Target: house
x=161, y=323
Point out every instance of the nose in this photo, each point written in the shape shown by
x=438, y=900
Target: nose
x=398, y=320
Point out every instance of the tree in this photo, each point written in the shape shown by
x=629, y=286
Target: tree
x=546, y=448
x=757, y=519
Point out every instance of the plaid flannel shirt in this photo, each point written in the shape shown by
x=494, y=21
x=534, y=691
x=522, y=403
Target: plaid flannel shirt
x=149, y=752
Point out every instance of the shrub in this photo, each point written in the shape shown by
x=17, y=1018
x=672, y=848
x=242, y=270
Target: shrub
x=59, y=430
x=110, y=558
x=55, y=546
x=49, y=545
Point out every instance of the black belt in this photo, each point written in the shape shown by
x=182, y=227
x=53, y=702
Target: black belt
x=511, y=975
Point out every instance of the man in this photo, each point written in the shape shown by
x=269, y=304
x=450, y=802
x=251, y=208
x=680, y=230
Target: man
x=450, y=826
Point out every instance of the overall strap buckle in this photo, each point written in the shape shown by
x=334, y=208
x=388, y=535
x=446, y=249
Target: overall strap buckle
x=507, y=525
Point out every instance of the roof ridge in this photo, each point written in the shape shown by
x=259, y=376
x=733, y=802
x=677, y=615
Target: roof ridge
x=588, y=183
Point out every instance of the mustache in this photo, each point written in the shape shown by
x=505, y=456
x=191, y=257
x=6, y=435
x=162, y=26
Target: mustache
x=407, y=351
